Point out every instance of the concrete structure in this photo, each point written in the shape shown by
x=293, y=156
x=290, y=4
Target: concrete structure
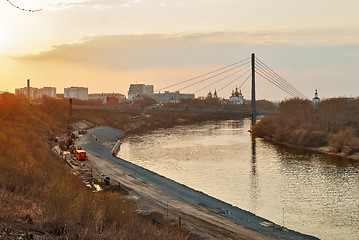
x=172, y=97
x=107, y=98
x=49, y=91
x=316, y=99
x=36, y=93
x=149, y=89
x=139, y=90
x=76, y=93
x=237, y=97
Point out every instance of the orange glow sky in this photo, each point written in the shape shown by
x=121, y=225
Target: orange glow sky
x=107, y=44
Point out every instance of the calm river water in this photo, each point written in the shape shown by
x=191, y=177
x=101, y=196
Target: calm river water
x=308, y=192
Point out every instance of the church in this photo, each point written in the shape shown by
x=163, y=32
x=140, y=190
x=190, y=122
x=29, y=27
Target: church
x=209, y=95
x=237, y=97
x=316, y=99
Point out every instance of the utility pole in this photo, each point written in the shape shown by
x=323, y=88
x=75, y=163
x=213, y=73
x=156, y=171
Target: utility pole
x=70, y=116
x=254, y=114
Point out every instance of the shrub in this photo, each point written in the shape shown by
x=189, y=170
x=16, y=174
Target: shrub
x=346, y=138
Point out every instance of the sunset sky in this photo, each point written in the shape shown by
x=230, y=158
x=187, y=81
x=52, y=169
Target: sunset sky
x=107, y=44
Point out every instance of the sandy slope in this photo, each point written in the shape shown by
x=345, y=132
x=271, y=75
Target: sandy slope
x=201, y=214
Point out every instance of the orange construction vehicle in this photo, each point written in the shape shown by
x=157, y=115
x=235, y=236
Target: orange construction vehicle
x=80, y=154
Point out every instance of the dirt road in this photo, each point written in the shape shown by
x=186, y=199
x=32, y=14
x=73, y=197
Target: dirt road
x=204, y=216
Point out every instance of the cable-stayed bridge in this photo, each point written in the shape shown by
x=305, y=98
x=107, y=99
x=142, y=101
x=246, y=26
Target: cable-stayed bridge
x=222, y=78
x=226, y=76
x=238, y=72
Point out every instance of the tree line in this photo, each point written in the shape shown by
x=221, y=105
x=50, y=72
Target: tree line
x=332, y=122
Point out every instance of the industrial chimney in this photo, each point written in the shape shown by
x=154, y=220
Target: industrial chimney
x=28, y=89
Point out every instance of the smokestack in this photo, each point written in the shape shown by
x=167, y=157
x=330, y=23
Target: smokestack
x=28, y=89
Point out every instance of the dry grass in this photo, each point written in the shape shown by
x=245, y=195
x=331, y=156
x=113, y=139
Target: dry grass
x=39, y=194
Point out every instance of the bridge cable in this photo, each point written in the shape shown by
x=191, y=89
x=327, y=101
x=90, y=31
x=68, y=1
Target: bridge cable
x=279, y=82
x=281, y=79
x=258, y=61
x=270, y=80
x=269, y=75
x=218, y=81
x=247, y=59
x=236, y=80
x=212, y=76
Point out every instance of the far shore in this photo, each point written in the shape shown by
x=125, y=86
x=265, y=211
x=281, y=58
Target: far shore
x=325, y=150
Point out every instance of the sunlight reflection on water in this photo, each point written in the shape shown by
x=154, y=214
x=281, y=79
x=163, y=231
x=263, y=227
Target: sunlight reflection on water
x=308, y=192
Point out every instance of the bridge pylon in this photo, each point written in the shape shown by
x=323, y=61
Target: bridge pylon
x=254, y=113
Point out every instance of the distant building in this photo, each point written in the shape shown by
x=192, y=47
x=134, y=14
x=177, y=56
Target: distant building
x=76, y=92
x=36, y=93
x=316, y=99
x=107, y=98
x=149, y=89
x=59, y=95
x=210, y=95
x=49, y=91
x=170, y=97
x=237, y=97
x=139, y=90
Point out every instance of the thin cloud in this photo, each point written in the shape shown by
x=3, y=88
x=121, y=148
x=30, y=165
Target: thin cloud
x=126, y=52
x=52, y=5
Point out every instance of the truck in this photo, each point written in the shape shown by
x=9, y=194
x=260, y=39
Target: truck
x=81, y=155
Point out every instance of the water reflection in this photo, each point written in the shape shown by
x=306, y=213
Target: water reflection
x=236, y=124
x=253, y=176
x=319, y=193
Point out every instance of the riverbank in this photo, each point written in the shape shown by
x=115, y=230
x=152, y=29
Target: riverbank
x=330, y=127
x=324, y=149
x=201, y=214
x=41, y=198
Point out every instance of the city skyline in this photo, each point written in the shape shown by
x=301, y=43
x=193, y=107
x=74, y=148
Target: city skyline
x=107, y=45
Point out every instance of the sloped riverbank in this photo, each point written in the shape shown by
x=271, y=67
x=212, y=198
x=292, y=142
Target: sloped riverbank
x=199, y=213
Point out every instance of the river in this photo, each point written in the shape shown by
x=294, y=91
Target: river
x=312, y=193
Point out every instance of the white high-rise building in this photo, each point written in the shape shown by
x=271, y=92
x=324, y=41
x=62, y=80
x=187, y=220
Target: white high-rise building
x=77, y=93
x=49, y=91
x=36, y=93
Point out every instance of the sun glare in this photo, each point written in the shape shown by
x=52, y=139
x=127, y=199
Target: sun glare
x=3, y=42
